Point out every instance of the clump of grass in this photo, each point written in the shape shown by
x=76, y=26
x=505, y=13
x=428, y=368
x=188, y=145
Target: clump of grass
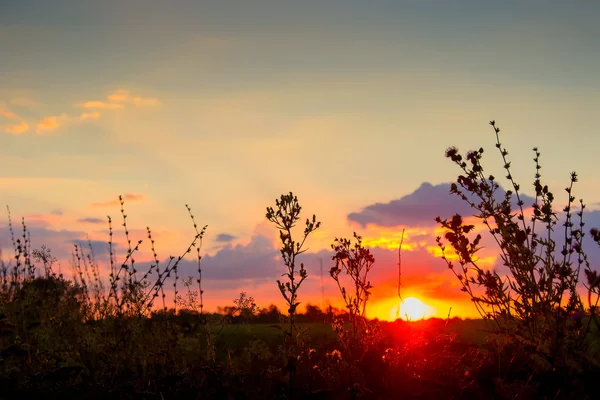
x=54, y=328
x=136, y=296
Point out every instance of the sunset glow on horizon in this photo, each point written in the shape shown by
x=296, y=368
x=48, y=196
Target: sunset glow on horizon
x=224, y=108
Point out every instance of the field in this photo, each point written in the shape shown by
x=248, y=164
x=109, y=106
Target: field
x=322, y=337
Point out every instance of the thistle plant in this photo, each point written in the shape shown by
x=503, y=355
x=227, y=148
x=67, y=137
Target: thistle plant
x=536, y=304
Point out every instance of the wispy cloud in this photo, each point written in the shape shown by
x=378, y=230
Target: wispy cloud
x=116, y=100
x=17, y=129
x=146, y=101
x=119, y=99
x=92, y=115
x=51, y=123
x=112, y=203
x=225, y=238
x=101, y=104
x=90, y=220
x=120, y=96
x=6, y=113
x=24, y=101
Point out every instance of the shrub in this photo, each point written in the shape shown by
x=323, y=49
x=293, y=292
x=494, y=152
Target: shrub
x=535, y=308
x=354, y=261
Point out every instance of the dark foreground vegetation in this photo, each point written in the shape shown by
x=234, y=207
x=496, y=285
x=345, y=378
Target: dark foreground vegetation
x=82, y=337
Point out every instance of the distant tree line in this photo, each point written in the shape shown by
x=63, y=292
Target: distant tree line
x=255, y=315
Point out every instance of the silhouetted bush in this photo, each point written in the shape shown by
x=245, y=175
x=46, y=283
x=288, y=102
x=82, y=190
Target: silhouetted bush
x=542, y=343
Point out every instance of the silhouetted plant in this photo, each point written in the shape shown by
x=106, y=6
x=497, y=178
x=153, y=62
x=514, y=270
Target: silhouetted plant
x=536, y=305
x=86, y=276
x=354, y=261
x=285, y=216
x=245, y=307
x=198, y=259
x=50, y=325
x=44, y=255
x=128, y=293
x=190, y=301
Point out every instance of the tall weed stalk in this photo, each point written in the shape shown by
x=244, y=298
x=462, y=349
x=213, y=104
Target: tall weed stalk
x=284, y=216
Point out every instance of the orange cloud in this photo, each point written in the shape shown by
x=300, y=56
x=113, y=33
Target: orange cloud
x=6, y=113
x=118, y=100
x=112, y=203
x=93, y=115
x=17, y=129
x=146, y=101
x=101, y=104
x=51, y=123
x=387, y=237
x=120, y=96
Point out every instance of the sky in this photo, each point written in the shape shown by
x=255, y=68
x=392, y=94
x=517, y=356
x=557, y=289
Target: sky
x=225, y=105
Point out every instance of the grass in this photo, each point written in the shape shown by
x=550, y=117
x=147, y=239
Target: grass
x=320, y=334
x=238, y=336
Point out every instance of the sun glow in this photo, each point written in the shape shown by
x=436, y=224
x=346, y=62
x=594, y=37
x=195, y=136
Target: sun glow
x=412, y=309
